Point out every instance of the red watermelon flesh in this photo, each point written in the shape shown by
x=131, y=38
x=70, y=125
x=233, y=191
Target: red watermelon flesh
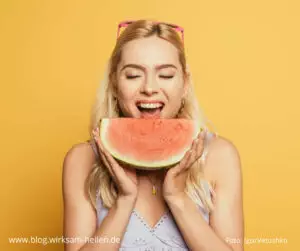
x=148, y=143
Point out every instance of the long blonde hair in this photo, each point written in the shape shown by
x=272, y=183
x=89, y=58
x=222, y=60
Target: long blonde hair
x=99, y=182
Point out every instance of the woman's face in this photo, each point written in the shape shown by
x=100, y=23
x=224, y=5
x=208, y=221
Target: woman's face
x=150, y=79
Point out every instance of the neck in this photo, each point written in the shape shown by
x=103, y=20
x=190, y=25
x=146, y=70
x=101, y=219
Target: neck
x=150, y=182
x=154, y=174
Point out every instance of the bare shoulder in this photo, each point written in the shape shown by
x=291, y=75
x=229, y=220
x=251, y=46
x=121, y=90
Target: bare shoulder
x=79, y=214
x=78, y=154
x=77, y=164
x=222, y=160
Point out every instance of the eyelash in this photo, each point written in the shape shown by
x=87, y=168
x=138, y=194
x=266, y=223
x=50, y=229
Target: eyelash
x=136, y=76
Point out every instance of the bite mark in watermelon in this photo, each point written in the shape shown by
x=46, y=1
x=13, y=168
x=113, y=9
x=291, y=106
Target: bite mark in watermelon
x=148, y=143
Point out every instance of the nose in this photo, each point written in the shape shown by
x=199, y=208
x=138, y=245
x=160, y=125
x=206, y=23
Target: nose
x=150, y=87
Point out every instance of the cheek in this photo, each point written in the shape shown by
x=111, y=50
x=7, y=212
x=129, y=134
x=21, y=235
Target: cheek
x=126, y=90
x=174, y=91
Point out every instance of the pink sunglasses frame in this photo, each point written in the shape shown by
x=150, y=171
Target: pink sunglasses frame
x=174, y=26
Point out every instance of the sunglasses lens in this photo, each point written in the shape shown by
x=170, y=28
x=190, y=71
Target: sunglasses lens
x=121, y=29
x=179, y=33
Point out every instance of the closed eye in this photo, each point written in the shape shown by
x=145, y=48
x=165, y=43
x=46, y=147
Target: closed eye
x=132, y=76
x=137, y=76
x=162, y=76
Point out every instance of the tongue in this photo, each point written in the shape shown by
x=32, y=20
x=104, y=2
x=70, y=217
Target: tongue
x=150, y=113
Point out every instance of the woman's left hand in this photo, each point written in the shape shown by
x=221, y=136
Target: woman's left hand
x=175, y=179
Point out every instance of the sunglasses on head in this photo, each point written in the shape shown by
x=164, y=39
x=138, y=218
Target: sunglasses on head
x=174, y=26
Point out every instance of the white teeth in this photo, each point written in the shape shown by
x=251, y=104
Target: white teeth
x=150, y=105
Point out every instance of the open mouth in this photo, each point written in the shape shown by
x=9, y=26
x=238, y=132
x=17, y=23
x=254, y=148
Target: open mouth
x=150, y=110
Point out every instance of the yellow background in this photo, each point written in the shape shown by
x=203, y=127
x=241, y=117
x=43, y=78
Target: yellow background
x=244, y=57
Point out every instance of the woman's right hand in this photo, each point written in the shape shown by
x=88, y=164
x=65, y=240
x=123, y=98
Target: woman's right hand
x=124, y=177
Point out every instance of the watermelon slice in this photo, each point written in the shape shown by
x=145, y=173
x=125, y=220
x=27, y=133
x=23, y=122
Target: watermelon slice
x=148, y=143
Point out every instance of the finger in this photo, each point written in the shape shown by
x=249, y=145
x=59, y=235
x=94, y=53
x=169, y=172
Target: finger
x=112, y=162
x=197, y=149
x=200, y=148
x=192, y=155
x=130, y=172
x=203, y=133
x=176, y=170
x=106, y=163
x=109, y=158
x=197, y=144
x=116, y=169
x=117, y=172
x=96, y=132
x=102, y=154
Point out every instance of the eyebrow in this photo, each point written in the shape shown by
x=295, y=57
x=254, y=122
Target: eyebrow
x=158, y=67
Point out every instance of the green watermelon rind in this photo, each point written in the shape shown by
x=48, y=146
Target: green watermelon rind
x=150, y=165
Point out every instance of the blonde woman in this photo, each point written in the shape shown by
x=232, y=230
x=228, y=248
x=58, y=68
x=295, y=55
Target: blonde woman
x=197, y=205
